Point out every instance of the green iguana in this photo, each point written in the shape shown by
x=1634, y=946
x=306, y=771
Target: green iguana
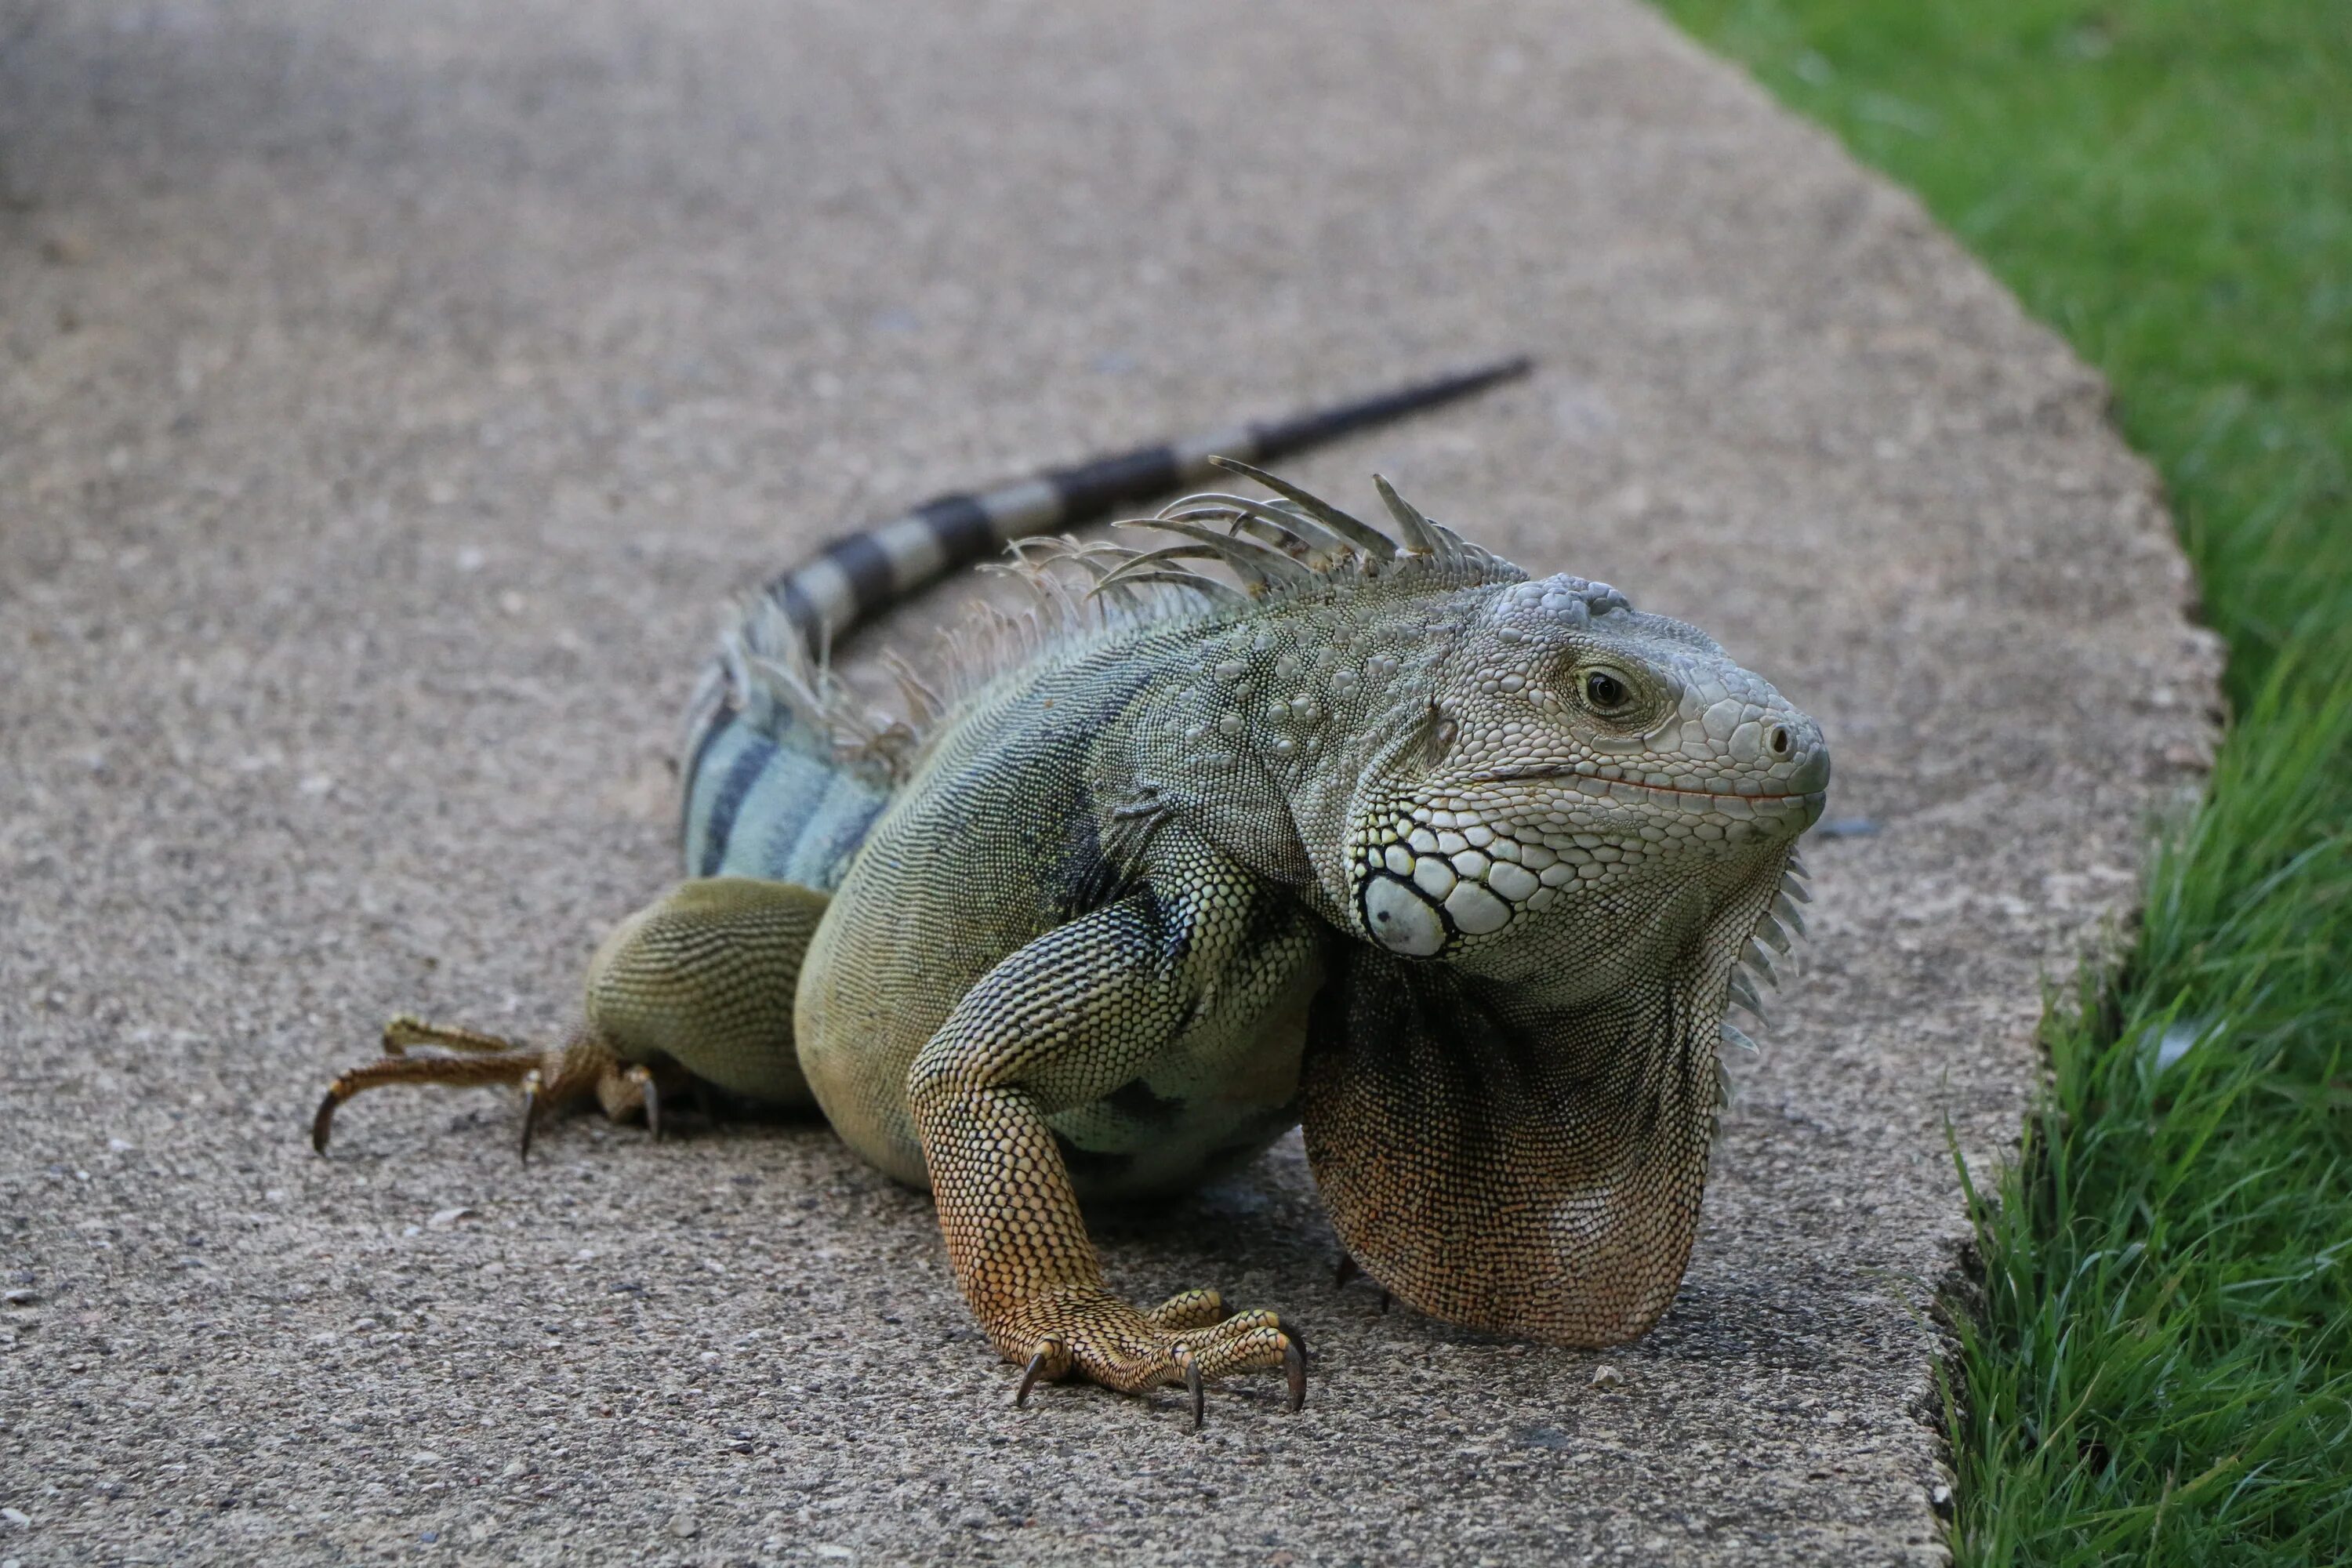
x=1457, y=868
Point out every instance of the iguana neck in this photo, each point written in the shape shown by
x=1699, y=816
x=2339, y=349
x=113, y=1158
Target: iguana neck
x=1269, y=724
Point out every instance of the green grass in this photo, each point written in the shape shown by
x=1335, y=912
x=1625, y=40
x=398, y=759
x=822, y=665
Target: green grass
x=2159, y=1367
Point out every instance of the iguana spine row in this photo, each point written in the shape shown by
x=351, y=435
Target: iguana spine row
x=860, y=575
x=808, y=804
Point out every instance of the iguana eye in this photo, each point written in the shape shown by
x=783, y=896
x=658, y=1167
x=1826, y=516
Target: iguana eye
x=1605, y=690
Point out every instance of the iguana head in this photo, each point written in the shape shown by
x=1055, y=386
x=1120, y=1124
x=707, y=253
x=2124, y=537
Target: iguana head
x=1585, y=770
x=1523, y=779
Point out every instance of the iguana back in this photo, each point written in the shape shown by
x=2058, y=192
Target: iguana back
x=781, y=772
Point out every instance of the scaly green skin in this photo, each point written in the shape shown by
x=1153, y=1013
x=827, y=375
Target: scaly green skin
x=1459, y=869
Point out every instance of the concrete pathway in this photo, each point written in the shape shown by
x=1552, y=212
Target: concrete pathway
x=390, y=395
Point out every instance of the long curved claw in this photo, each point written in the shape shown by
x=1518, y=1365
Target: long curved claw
x=1294, y=1365
x=322, y=1124
x=1197, y=1389
x=1037, y=1369
x=530, y=1117
x=644, y=1079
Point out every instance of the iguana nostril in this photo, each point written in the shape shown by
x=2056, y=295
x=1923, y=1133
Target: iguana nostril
x=1779, y=741
x=1812, y=773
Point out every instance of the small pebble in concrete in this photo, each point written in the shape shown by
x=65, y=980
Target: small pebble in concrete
x=1607, y=1376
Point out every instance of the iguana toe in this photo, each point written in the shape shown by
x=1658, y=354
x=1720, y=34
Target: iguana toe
x=473, y=1057
x=1188, y=1309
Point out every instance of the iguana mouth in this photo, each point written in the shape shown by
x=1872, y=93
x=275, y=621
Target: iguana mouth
x=1520, y=776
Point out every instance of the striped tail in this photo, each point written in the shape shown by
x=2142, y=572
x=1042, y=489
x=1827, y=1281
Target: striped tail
x=783, y=770
x=860, y=575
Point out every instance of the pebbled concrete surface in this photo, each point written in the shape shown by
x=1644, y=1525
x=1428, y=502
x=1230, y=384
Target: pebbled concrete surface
x=388, y=395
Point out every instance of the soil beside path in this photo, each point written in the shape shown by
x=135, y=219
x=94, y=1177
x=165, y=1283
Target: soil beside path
x=391, y=396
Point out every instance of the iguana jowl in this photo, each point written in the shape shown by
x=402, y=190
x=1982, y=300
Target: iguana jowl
x=1457, y=868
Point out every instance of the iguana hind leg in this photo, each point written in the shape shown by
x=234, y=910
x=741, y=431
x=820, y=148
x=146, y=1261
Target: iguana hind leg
x=704, y=979
x=694, y=989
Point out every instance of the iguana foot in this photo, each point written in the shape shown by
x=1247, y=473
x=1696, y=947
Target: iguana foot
x=1187, y=1339
x=550, y=1078
x=691, y=992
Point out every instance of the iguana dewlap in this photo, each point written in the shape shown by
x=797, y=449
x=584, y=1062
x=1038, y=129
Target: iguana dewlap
x=1458, y=868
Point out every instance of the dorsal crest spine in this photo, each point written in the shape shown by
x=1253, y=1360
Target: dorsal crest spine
x=1080, y=590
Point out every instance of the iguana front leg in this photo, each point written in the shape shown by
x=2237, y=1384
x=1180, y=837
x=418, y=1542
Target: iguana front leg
x=1058, y=1023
